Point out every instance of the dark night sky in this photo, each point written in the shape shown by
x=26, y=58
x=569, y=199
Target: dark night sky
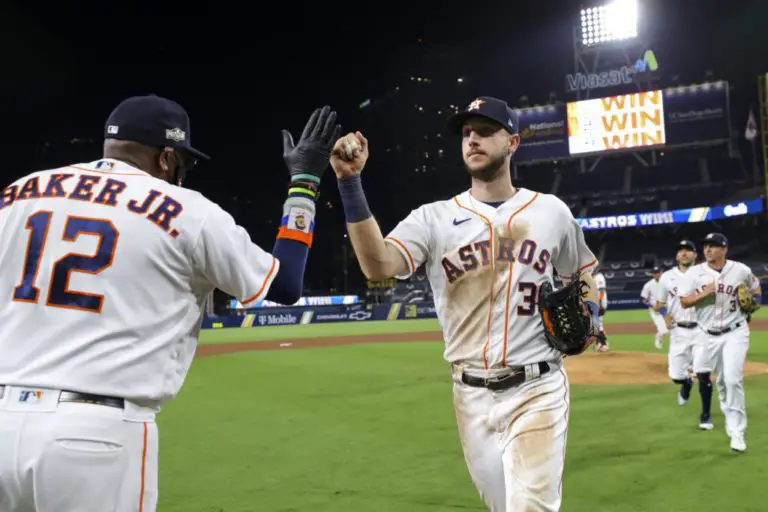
x=245, y=73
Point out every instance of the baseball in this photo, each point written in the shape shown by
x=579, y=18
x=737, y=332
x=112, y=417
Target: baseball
x=351, y=148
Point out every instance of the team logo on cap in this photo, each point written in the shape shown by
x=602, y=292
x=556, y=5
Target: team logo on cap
x=475, y=104
x=176, y=135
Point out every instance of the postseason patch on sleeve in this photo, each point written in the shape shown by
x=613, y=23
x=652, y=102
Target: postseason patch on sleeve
x=300, y=219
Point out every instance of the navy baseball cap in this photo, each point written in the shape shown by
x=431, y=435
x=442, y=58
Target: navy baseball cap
x=715, y=239
x=153, y=121
x=686, y=244
x=656, y=269
x=486, y=106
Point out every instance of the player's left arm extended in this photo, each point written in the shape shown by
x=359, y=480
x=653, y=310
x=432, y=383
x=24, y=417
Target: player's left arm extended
x=224, y=253
x=306, y=160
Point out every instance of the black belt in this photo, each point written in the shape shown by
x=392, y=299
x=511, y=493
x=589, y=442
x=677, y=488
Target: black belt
x=502, y=383
x=84, y=398
x=686, y=325
x=727, y=329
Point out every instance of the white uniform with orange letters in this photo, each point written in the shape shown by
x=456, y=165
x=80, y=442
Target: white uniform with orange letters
x=485, y=266
x=104, y=272
x=688, y=347
x=602, y=293
x=649, y=294
x=725, y=327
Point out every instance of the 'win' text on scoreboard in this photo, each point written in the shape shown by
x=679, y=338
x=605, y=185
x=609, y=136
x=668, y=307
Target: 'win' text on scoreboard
x=616, y=122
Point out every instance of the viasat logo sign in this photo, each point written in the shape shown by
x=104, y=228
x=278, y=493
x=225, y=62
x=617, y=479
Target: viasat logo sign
x=624, y=75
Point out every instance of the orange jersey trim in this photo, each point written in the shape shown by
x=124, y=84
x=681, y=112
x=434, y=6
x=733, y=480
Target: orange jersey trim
x=264, y=284
x=509, y=282
x=407, y=252
x=490, y=295
x=143, y=469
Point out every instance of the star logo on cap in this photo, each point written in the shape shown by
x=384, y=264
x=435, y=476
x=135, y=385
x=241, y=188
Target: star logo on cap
x=475, y=104
x=176, y=135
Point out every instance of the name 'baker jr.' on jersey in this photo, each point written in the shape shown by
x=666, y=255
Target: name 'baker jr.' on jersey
x=104, y=270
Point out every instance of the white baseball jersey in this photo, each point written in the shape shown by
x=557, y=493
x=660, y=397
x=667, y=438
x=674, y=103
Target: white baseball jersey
x=485, y=266
x=601, y=289
x=669, y=293
x=650, y=292
x=104, y=271
x=721, y=309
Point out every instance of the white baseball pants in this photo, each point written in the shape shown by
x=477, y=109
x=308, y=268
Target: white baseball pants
x=74, y=457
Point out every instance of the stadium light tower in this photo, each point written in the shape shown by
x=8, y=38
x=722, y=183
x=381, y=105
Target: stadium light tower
x=615, y=21
x=610, y=49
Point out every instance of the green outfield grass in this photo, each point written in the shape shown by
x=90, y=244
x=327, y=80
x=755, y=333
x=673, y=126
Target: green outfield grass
x=370, y=427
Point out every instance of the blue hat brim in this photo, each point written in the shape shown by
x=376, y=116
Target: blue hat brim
x=198, y=154
x=456, y=122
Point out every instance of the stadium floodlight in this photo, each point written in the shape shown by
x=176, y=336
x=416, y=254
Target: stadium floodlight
x=614, y=21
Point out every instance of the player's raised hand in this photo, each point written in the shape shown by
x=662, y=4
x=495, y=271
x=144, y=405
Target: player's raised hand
x=313, y=151
x=349, y=155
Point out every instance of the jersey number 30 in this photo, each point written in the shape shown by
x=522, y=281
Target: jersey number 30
x=59, y=294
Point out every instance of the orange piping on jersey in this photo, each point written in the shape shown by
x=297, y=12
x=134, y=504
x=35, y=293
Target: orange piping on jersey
x=107, y=172
x=587, y=265
x=264, y=284
x=403, y=247
x=567, y=279
x=509, y=284
x=565, y=440
x=490, y=295
x=601, y=295
x=143, y=469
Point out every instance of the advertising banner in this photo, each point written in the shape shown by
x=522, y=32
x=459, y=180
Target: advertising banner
x=681, y=216
x=303, y=301
x=543, y=134
x=696, y=113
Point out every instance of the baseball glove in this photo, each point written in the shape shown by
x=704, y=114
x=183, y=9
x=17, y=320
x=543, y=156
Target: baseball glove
x=568, y=323
x=747, y=302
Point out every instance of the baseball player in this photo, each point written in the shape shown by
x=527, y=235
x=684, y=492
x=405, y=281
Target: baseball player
x=712, y=288
x=648, y=297
x=487, y=251
x=104, y=271
x=602, y=341
x=687, y=345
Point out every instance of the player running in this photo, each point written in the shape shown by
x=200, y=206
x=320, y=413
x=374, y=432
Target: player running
x=712, y=287
x=688, y=346
x=488, y=251
x=648, y=297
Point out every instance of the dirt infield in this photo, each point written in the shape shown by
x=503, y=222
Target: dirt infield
x=615, y=367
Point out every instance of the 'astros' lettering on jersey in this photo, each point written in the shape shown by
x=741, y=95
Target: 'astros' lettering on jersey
x=722, y=309
x=485, y=266
x=669, y=293
x=104, y=272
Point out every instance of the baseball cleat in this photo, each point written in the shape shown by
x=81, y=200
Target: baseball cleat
x=738, y=444
x=705, y=423
x=658, y=344
x=680, y=399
